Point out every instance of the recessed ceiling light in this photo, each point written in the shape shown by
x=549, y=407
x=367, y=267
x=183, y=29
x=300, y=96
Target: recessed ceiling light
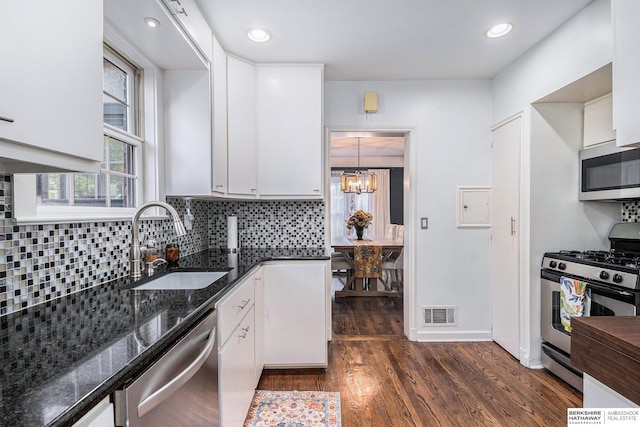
x=151, y=22
x=258, y=35
x=499, y=30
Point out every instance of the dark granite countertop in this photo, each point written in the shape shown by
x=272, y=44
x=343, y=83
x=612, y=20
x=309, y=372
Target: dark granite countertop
x=60, y=358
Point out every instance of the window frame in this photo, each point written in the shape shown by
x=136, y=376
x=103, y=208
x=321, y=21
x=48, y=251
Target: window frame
x=148, y=160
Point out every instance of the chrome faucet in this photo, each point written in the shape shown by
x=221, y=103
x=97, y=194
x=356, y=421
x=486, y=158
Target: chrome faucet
x=134, y=257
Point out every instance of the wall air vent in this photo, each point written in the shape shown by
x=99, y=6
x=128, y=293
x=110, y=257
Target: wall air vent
x=440, y=315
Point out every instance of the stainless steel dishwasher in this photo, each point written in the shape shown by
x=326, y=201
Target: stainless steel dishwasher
x=181, y=388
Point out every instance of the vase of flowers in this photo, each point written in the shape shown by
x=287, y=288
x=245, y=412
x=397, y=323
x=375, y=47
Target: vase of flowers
x=359, y=220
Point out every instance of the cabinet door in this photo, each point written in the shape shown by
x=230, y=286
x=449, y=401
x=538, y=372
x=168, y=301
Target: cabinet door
x=598, y=127
x=259, y=315
x=187, y=127
x=295, y=298
x=626, y=69
x=241, y=127
x=236, y=373
x=219, y=76
x=505, y=235
x=100, y=415
x=290, y=130
x=51, y=77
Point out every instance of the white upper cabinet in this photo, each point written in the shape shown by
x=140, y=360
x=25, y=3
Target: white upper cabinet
x=598, y=124
x=187, y=132
x=626, y=69
x=290, y=130
x=51, y=86
x=219, y=79
x=241, y=130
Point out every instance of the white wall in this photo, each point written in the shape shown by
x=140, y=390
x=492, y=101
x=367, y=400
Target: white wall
x=450, y=146
x=552, y=215
x=558, y=220
x=581, y=46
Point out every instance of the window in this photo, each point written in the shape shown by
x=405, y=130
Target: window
x=115, y=185
x=343, y=205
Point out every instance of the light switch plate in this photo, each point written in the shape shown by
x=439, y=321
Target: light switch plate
x=424, y=223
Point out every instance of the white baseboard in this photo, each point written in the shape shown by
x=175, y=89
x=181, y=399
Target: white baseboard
x=452, y=336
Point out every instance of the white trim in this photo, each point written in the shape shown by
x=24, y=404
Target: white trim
x=123, y=136
x=526, y=344
x=452, y=336
x=410, y=215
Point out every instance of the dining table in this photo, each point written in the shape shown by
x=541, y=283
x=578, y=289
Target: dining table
x=364, y=281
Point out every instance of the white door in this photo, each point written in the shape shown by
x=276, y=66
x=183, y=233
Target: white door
x=505, y=284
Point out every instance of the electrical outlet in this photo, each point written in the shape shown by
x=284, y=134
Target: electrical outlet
x=187, y=221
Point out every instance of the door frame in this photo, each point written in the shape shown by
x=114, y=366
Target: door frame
x=409, y=217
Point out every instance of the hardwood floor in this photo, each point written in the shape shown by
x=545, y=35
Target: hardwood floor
x=386, y=380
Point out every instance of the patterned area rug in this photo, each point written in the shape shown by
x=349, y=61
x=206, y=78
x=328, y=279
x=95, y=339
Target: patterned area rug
x=294, y=409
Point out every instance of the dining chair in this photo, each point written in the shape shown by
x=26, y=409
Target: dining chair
x=339, y=263
x=394, y=269
x=390, y=231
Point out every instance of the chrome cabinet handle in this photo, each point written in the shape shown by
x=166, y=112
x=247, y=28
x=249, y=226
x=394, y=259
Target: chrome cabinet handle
x=182, y=9
x=243, y=304
x=179, y=380
x=245, y=331
x=513, y=226
x=6, y=119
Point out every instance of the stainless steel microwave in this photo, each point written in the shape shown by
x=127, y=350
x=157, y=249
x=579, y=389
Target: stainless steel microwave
x=608, y=172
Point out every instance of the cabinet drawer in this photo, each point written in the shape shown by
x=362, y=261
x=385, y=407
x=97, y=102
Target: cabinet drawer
x=234, y=307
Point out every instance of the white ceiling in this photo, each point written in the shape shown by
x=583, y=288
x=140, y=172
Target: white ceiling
x=388, y=39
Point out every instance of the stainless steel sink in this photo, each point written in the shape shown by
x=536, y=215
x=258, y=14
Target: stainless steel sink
x=183, y=280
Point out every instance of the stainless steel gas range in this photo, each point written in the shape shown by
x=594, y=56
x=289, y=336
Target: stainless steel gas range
x=612, y=280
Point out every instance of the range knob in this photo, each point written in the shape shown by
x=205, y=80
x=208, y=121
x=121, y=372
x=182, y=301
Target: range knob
x=553, y=264
x=562, y=266
x=604, y=275
x=617, y=278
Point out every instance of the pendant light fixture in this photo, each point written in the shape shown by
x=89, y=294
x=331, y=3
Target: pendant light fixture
x=358, y=181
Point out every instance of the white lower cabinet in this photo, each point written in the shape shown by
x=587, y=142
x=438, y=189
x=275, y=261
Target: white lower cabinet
x=237, y=352
x=236, y=373
x=295, y=314
x=100, y=415
x=258, y=280
x=598, y=395
x=276, y=317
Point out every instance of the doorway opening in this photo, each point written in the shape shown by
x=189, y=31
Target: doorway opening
x=383, y=153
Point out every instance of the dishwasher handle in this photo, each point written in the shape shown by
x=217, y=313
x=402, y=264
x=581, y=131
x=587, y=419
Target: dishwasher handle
x=179, y=380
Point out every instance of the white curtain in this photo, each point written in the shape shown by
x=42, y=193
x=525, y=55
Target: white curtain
x=381, y=210
x=345, y=204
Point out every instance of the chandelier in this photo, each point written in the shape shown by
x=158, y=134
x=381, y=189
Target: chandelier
x=358, y=181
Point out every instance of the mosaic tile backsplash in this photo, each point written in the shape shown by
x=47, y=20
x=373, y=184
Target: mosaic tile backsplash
x=631, y=211
x=46, y=261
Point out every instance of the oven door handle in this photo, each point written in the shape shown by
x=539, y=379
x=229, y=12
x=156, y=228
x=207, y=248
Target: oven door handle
x=552, y=354
x=179, y=380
